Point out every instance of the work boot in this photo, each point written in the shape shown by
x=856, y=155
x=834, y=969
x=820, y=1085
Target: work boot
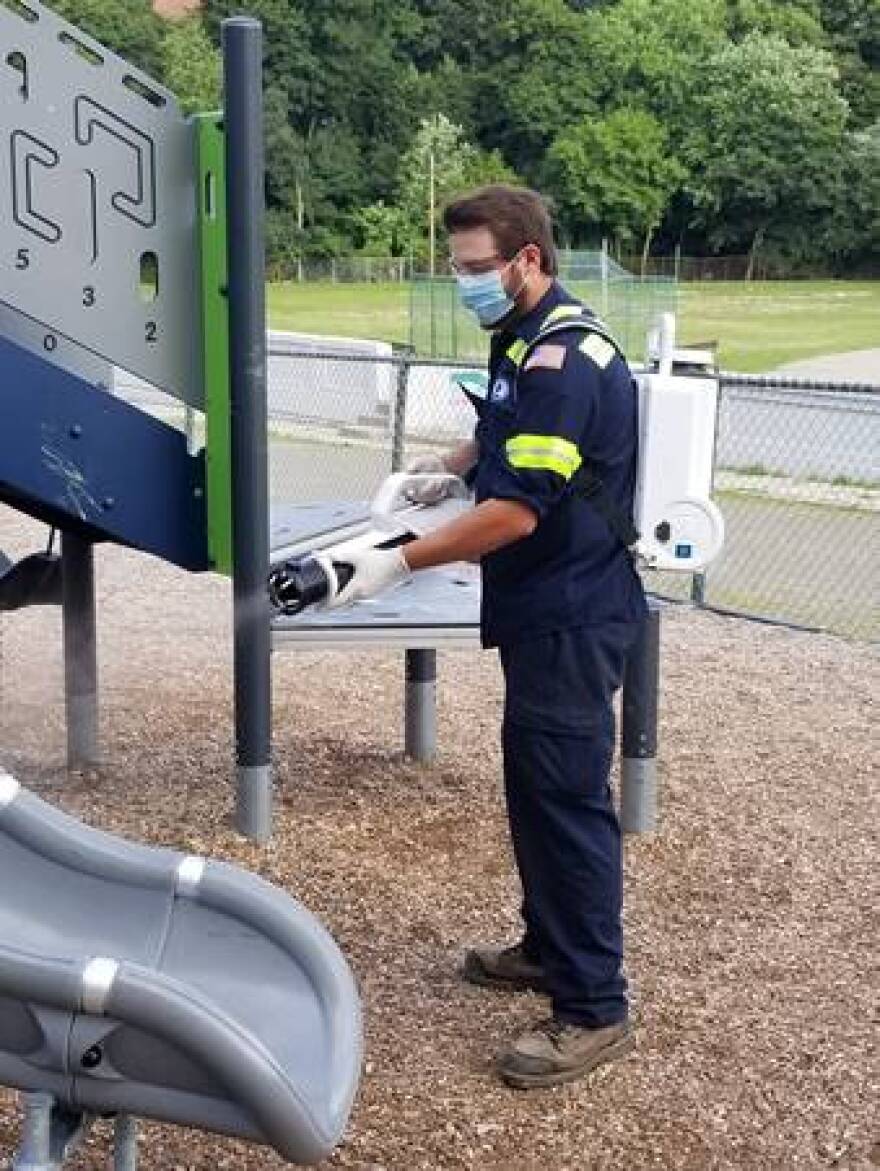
x=504, y=967
x=554, y=1052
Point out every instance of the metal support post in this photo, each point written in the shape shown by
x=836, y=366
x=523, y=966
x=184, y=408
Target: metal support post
x=80, y=650
x=638, y=763
x=125, y=1143
x=698, y=589
x=243, y=120
x=50, y=1133
x=420, y=716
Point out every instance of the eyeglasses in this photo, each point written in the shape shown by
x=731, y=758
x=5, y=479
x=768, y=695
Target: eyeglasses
x=475, y=267
x=483, y=265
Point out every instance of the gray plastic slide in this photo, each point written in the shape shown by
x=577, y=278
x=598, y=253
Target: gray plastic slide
x=139, y=981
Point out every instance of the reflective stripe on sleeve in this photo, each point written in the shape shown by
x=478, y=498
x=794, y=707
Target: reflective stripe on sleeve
x=543, y=453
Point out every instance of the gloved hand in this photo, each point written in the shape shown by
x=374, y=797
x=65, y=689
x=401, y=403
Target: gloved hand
x=428, y=491
x=374, y=570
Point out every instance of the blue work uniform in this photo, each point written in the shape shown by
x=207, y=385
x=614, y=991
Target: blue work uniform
x=563, y=606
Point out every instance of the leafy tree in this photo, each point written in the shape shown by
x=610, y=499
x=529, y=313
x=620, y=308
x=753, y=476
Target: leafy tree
x=540, y=80
x=382, y=230
x=854, y=34
x=798, y=21
x=440, y=155
x=766, y=142
x=654, y=54
x=614, y=176
x=191, y=65
x=852, y=231
x=599, y=102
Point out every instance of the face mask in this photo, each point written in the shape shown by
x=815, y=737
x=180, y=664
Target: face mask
x=486, y=296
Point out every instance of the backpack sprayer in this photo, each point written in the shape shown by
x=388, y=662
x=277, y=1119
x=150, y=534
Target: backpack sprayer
x=675, y=525
x=680, y=528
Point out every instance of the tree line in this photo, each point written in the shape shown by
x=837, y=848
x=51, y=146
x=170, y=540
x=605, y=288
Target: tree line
x=748, y=126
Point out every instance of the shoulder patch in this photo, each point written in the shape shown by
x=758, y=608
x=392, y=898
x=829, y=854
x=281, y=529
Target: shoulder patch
x=598, y=349
x=548, y=356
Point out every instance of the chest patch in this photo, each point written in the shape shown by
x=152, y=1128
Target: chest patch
x=547, y=356
x=500, y=391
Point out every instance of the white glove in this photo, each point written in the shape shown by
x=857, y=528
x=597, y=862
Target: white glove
x=375, y=570
x=428, y=491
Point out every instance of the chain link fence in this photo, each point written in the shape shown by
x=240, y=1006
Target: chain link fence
x=441, y=326
x=797, y=474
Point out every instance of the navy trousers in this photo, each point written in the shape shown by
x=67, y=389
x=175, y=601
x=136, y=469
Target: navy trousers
x=558, y=740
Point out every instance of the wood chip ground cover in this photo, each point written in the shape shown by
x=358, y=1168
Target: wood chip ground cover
x=752, y=916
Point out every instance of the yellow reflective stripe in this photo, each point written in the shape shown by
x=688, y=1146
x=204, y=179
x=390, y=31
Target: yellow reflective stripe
x=516, y=351
x=598, y=349
x=560, y=313
x=544, y=453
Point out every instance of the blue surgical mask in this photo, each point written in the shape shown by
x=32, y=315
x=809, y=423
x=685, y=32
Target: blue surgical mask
x=485, y=295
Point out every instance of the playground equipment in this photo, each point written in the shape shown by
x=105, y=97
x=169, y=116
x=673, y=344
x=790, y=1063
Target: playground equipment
x=131, y=244
x=139, y=981
x=134, y=980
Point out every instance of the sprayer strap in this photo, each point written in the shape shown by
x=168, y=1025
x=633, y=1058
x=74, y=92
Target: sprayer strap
x=587, y=482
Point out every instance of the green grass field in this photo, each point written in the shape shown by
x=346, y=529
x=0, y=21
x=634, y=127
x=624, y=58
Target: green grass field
x=758, y=326
x=763, y=325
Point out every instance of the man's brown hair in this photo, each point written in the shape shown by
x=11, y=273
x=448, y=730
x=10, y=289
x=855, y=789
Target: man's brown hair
x=515, y=216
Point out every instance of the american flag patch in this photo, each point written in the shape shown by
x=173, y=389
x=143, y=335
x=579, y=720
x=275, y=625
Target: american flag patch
x=548, y=356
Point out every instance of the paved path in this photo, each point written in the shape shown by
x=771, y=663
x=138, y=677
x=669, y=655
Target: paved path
x=856, y=366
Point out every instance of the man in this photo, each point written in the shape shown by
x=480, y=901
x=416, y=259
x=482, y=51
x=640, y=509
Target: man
x=562, y=602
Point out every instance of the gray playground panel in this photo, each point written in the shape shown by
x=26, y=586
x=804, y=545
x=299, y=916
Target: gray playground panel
x=31, y=335
x=435, y=607
x=97, y=176
x=141, y=981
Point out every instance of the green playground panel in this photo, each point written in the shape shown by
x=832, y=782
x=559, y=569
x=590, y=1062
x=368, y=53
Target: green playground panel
x=211, y=210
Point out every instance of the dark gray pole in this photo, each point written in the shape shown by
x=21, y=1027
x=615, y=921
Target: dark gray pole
x=638, y=749
x=243, y=119
x=420, y=705
x=80, y=649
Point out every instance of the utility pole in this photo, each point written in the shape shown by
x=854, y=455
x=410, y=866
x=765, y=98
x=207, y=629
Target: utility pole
x=431, y=214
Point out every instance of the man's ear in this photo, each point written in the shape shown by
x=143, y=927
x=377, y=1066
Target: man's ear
x=533, y=255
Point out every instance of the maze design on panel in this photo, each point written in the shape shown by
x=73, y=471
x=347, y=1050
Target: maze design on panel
x=98, y=242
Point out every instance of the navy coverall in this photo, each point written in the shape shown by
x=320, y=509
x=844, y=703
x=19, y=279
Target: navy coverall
x=563, y=606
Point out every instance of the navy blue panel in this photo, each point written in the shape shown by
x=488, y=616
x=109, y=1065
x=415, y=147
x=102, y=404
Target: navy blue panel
x=85, y=461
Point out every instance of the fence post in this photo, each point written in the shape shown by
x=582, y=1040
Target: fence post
x=398, y=420
x=698, y=588
x=453, y=321
x=433, y=318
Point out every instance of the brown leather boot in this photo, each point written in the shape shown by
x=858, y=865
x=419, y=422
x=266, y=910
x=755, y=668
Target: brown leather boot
x=503, y=967
x=554, y=1052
